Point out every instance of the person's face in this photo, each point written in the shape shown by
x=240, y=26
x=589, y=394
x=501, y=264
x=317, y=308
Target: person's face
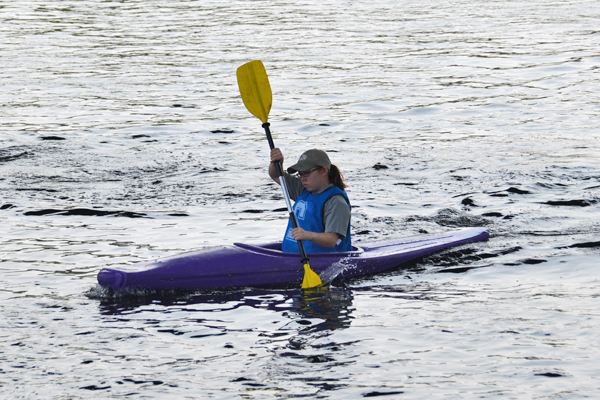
x=314, y=179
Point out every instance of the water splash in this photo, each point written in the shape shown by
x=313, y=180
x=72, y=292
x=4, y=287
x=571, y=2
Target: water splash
x=335, y=269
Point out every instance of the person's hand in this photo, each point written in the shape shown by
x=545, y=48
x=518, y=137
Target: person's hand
x=300, y=234
x=276, y=156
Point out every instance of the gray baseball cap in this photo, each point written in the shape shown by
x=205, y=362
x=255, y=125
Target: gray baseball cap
x=310, y=158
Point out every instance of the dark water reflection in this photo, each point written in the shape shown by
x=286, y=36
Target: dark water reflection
x=331, y=307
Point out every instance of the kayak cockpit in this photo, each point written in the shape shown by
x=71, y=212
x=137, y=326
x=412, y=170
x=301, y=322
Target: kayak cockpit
x=274, y=249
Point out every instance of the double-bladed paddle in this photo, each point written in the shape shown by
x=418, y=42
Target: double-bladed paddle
x=256, y=93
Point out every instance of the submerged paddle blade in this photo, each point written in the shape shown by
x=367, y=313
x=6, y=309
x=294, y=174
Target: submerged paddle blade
x=311, y=279
x=255, y=89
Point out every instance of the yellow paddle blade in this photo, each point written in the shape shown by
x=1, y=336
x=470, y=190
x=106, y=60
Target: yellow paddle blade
x=255, y=89
x=311, y=279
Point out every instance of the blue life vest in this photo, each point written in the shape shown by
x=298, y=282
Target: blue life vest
x=309, y=210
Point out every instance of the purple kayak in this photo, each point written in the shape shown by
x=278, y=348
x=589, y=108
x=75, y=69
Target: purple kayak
x=244, y=265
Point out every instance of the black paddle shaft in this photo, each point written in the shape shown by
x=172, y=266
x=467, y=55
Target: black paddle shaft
x=285, y=192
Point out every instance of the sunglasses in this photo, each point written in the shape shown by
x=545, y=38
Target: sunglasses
x=305, y=174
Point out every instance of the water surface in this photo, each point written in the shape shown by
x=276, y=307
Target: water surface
x=124, y=139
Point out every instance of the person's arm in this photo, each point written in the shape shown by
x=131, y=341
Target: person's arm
x=294, y=185
x=323, y=239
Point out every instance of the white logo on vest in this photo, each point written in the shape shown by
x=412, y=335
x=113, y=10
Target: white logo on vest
x=300, y=209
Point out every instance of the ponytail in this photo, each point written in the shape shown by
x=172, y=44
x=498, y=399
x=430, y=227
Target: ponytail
x=335, y=177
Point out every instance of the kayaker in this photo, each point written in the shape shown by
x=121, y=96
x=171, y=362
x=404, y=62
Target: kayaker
x=321, y=205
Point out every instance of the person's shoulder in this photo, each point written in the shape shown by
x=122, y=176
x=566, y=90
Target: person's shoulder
x=338, y=200
x=339, y=193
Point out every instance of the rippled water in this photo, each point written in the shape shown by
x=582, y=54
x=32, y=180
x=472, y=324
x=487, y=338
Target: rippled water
x=124, y=139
